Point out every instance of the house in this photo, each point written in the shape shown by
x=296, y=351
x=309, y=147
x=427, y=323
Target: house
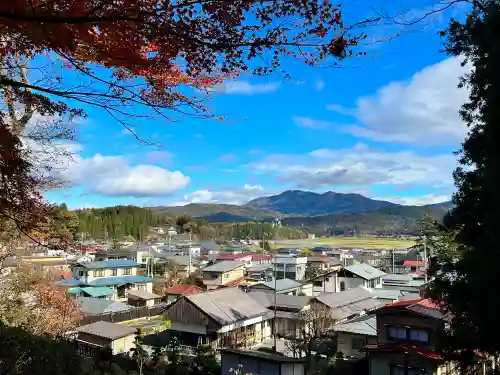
x=282, y=286
x=403, y=283
x=326, y=282
x=96, y=306
x=261, y=272
x=209, y=247
x=322, y=263
x=393, y=295
x=289, y=266
x=359, y=274
x=115, y=254
x=288, y=310
x=221, y=318
x=194, y=249
x=261, y=363
x=177, y=291
x=407, y=332
x=414, y=265
x=353, y=335
x=117, y=337
x=140, y=298
x=222, y=273
x=93, y=291
x=349, y=303
x=320, y=250
x=289, y=251
x=185, y=264
x=118, y=275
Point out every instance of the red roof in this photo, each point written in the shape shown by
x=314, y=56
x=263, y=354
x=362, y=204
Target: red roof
x=184, y=289
x=414, y=263
x=67, y=275
x=261, y=257
x=424, y=352
x=233, y=256
x=235, y=281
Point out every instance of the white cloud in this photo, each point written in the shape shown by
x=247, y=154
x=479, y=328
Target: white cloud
x=307, y=122
x=247, y=88
x=114, y=176
x=422, y=111
x=417, y=200
x=227, y=195
x=319, y=84
x=359, y=166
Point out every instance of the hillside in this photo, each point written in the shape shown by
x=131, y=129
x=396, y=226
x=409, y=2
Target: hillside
x=202, y=210
x=306, y=203
x=385, y=221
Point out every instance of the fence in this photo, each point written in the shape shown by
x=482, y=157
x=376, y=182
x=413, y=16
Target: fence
x=122, y=316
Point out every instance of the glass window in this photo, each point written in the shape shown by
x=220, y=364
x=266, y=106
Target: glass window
x=128, y=271
x=99, y=273
x=115, y=272
x=397, y=333
x=419, y=335
x=342, y=286
x=318, y=283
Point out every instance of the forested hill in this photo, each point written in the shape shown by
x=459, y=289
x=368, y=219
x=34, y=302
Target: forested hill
x=117, y=222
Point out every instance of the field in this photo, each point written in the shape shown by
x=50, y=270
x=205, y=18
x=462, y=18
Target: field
x=353, y=242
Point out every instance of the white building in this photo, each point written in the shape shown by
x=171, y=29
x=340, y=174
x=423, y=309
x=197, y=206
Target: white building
x=289, y=266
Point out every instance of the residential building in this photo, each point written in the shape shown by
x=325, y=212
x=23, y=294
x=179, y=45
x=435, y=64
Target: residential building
x=403, y=283
x=114, y=254
x=350, y=303
x=261, y=363
x=288, y=310
x=414, y=265
x=260, y=272
x=407, y=333
x=119, y=338
x=96, y=306
x=282, y=286
x=140, y=298
x=353, y=335
x=322, y=263
x=359, y=275
x=177, y=291
x=221, y=318
x=289, y=266
x=117, y=275
x=185, y=264
x=320, y=250
x=289, y=251
x=223, y=273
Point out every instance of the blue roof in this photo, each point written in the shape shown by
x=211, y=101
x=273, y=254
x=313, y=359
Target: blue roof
x=97, y=291
x=118, y=263
x=70, y=282
x=119, y=280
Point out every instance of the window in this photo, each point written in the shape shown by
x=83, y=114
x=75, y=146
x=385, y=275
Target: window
x=99, y=273
x=398, y=333
x=342, y=286
x=128, y=271
x=419, y=335
x=81, y=273
x=115, y=272
x=357, y=344
x=318, y=283
x=400, y=370
x=226, y=276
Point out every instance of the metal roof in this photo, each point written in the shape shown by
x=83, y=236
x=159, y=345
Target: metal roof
x=142, y=294
x=346, y=297
x=266, y=299
x=365, y=271
x=228, y=305
x=120, y=280
x=392, y=294
x=356, y=308
x=110, y=331
x=224, y=266
x=105, y=264
x=97, y=291
x=364, y=325
x=281, y=285
x=97, y=306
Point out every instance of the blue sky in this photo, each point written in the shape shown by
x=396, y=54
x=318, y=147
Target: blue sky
x=384, y=125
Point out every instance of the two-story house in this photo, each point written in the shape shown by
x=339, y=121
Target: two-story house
x=226, y=317
x=359, y=275
x=288, y=266
x=406, y=340
x=118, y=276
x=224, y=273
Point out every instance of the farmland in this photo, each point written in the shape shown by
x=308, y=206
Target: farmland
x=351, y=242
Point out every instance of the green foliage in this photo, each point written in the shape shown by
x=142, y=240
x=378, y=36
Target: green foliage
x=205, y=362
x=117, y=222
x=312, y=272
x=465, y=278
x=181, y=222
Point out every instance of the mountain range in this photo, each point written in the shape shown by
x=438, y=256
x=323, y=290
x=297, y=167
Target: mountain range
x=330, y=211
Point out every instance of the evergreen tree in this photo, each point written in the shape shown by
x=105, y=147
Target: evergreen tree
x=463, y=281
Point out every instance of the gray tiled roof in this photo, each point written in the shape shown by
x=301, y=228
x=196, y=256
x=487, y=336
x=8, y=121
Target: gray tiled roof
x=266, y=299
x=365, y=271
x=110, y=331
x=224, y=266
x=356, y=308
x=228, y=305
x=142, y=294
x=393, y=294
x=345, y=297
x=282, y=284
x=364, y=325
x=97, y=306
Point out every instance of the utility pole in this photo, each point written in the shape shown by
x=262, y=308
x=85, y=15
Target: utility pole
x=190, y=256
x=393, y=262
x=274, y=320
x=425, y=258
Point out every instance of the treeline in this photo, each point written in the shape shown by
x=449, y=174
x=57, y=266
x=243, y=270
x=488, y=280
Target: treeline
x=118, y=222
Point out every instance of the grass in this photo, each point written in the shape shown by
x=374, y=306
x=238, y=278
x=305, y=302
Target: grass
x=367, y=242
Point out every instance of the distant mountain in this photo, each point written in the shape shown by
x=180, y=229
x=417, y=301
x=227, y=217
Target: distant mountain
x=388, y=220
x=203, y=210
x=444, y=206
x=224, y=217
x=306, y=203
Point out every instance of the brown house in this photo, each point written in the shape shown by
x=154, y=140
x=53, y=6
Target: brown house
x=222, y=318
x=407, y=333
